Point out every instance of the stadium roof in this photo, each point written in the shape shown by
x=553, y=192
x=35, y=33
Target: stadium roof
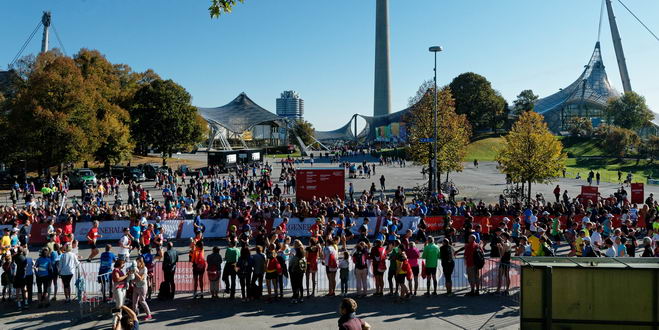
x=592, y=87
x=342, y=134
x=239, y=115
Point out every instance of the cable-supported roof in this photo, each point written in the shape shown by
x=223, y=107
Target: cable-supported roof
x=239, y=115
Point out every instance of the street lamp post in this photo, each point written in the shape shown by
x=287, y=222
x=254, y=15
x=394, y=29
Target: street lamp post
x=433, y=176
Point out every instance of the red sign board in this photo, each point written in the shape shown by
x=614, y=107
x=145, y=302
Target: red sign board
x=638, y=193
x=319, y=183
x=589, y=193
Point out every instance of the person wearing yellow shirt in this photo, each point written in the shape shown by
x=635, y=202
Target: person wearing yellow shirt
x=5, y=243
x=578, y=243
x=536, y=245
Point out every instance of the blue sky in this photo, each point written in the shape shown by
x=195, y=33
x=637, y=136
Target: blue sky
x=325, y=49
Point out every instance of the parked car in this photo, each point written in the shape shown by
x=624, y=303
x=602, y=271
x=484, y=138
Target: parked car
x=150, y=170
x=134, y=174
x=81, y=176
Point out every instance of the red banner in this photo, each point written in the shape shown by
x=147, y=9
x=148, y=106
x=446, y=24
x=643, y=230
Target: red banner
x=319, y=183
x=638, y=193
x=589, y=193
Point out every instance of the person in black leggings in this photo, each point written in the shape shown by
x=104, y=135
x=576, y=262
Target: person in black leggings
x=448, y=264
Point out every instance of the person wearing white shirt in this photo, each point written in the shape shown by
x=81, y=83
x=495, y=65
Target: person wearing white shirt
x=533, y=220
x=124, y=245
x=596, y=237
x=611, y=250
x=68, y=264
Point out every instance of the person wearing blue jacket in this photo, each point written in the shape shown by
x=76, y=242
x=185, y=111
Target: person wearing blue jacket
x=44, y=271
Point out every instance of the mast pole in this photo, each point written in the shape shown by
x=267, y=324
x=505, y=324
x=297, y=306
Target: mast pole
x=617, y=45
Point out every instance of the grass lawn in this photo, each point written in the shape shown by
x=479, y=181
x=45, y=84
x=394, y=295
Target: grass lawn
x=295, y=154
x=608, y=168
x=582, y=147
x=483, y=149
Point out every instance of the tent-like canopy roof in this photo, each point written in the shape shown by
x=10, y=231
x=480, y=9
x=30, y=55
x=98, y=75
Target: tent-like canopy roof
x=239, y=115
x=592, y=88
x=342, y=134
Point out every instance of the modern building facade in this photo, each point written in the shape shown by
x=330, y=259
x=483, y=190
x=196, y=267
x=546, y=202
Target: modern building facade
x=290, y=105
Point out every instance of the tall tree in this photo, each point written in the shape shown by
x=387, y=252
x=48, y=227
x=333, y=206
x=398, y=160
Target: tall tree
x=304, y=130
x=53, y=113
x=163, y=118
x=112, y=133
x=475, y=98
x=530, y=152
x=453, y=134
x=525, y=102
x=651, y=147
x=628, y=111
x=620, y=141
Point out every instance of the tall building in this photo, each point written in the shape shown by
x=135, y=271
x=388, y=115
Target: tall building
x=382, y=87
x=290, y=105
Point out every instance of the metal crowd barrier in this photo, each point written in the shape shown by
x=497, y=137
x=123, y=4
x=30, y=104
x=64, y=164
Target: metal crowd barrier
x=492, y=278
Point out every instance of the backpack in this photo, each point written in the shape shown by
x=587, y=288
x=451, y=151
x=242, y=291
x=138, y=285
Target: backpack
x=213, y=272
x=302, y=266
x=479, y=258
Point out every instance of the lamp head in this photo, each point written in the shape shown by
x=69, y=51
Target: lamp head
x=436, y=49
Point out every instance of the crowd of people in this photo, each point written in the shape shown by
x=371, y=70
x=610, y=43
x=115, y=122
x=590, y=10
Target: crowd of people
x=260, y=259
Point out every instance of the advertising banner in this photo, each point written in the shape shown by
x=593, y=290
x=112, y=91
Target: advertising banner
x=638, y=193
x=589, y=193
x=297, y=227
x=215, y=228
x=319, y=183
x=109, y=230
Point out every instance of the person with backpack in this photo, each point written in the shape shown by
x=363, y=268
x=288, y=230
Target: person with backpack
x=297, y=266
x=198, y=269
x=244, y=268
x=213, y=270
x=446, y=254
x=474, y=260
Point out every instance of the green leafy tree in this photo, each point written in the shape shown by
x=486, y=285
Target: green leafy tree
x=112, y=134
x=453, y=134
x=651, y=147
x=219, y=7
x=475, y=98
x=163, y=118
x=530, y=153
x=525, y=102
x=304, y=130
x=580, y=126
x=628, y=111
x=620, y=141
x=53, y=114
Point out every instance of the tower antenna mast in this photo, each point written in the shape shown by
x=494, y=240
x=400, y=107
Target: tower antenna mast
x=45, y=21
x=617, y=45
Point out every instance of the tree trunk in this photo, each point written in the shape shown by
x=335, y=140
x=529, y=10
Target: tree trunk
x=529, y=200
